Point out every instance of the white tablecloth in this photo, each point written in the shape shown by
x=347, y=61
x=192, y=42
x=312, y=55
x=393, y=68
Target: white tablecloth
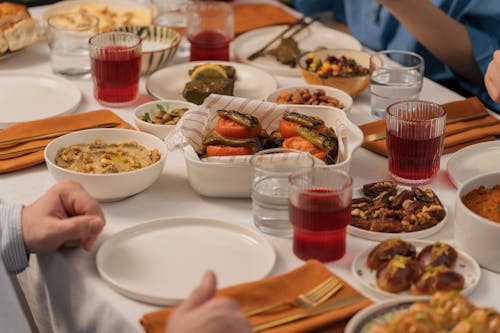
x=64, y=288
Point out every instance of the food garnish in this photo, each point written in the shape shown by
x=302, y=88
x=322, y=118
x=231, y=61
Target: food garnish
x=334, y=67
x=163, y=116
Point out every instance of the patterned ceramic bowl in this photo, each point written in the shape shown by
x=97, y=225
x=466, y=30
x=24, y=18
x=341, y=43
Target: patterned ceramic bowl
x=159, y=45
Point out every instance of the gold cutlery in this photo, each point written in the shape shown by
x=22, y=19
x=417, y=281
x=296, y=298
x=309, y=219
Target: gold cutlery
x=12, y=154
x=337, y=304
x=52, y=135
x=382, y=135
x=313, y=297
x=302, y=25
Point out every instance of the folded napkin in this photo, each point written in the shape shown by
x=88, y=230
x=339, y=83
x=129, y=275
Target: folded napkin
x=16, y=155
x=249, y=16
x=282, y=287
x=457, y=135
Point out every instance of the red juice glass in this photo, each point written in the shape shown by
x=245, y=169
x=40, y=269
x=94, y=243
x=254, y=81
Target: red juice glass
x=210, y=29
x=415, y=136
x=319, y=208
x=116, y=67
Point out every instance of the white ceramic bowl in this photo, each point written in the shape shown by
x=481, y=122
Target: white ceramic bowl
x=159, y=45
x=475, y=234
x=341, y=95
x=108, y=187
x=161, y=131
x=233, y=180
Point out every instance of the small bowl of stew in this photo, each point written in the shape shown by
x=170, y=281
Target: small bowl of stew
x=347, y=70
x=160, y=117
x=477, y=219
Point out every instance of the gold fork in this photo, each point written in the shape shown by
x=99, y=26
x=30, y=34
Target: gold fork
x=310, y=298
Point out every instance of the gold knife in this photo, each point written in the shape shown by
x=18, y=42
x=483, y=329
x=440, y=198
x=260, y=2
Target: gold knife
x=381, y=135
x=340, y=303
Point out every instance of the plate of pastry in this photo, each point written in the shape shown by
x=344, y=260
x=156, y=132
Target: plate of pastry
x=196, y=80
x=444, y=312
x=383, y=210
x=397, y=267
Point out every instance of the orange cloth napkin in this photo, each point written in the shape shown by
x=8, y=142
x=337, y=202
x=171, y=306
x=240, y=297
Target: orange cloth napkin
x=457, y=135
x=282, y=287
x=249, y=16
x=19, y=156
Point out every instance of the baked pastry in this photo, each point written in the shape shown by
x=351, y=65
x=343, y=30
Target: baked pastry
x=438, y=278
x=388, y=249
x=17, y=28
x=398, y=274
x=438, y=254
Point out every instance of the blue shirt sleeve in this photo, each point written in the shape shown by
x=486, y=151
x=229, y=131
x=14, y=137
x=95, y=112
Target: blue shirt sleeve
x=12, y=247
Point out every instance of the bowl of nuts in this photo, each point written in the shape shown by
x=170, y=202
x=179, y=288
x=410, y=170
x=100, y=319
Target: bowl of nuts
x=312, y=95
x=160, y=117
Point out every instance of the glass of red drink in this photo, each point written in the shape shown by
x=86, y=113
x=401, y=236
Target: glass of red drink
x=116, y=67
x=319, y=208
x=210, y=29
x=415, y=135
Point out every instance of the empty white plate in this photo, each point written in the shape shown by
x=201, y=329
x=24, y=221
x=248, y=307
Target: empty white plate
x=161, y=261
x=474, y=160
x=26, y=96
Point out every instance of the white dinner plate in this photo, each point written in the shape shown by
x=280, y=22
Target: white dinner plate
x=466, y=266
x=161, y=261
x=311, y=38
x=473, y=160
x=382, y=236
x=26, y=96
x=169, y=82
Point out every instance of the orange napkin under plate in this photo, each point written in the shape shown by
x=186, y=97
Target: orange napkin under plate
x=282, y=287
x=250, y=16
x=16, y=155
x=457, y=135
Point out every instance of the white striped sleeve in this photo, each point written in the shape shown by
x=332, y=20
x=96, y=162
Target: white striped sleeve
x=14, y=255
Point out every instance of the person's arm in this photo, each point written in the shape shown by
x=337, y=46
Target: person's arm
x=14, y=255
x=66, y=215
x=492, y=77
x=200, y=312
x=446, y=38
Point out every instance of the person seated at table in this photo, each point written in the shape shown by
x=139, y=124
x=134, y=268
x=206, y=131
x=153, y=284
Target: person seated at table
x=492, y=77
x=67, y=216
x=456, y=38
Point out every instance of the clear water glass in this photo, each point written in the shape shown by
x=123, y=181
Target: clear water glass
x=172, y=14
x=270, y=171
x=395, y=76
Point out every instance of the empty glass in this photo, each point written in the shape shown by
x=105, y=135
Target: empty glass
x=395, y=76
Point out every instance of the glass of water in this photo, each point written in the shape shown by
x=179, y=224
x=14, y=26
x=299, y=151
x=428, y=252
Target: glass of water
x=270, y=171
x=68, y=38
x=172, y=14
x=395, y=76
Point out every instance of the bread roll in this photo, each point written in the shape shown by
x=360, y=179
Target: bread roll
x=12, y=12
x=22, y=33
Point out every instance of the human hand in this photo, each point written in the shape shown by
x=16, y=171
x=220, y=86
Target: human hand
x=66, y=215
x=492, y=77
x=200, y=312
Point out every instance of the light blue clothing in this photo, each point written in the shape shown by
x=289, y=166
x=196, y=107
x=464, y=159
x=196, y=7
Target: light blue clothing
x=377, y=29
x=15, y=260
x=12, y=247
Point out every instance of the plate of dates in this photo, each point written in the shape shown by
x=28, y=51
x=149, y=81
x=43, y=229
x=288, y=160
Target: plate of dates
x=384, y=210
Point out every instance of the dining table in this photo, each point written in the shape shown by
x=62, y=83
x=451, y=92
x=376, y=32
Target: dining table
x=64, y=289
